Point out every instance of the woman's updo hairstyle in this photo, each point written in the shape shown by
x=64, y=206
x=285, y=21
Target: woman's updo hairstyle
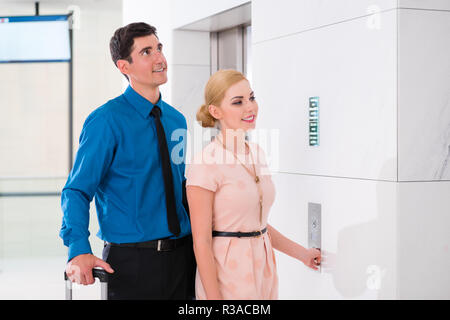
x=215, y=90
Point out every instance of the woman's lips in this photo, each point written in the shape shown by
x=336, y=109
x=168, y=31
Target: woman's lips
x=249, y=119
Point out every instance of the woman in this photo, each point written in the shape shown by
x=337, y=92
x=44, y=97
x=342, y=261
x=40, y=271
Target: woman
x=230, y=192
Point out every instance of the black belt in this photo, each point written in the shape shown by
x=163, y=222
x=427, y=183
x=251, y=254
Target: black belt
x=159, y=245
x=239, y=234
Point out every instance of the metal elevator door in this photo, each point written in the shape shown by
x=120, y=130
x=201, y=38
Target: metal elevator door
x=231, y=49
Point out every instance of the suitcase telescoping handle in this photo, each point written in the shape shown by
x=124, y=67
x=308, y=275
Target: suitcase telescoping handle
x=101, y=274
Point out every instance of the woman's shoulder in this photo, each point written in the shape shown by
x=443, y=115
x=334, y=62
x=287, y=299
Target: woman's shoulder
x=207, y=154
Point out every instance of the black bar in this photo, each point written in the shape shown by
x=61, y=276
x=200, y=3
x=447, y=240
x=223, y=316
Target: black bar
x=36, y=8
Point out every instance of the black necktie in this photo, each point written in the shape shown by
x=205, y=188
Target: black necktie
x=172, y=218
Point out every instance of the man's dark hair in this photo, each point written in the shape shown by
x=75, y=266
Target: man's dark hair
x=122, y=41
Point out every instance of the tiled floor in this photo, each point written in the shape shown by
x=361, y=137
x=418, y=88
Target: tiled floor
x=39, y=279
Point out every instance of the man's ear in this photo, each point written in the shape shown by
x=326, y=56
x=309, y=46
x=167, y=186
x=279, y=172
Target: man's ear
x=215, y=111
x=123, y=66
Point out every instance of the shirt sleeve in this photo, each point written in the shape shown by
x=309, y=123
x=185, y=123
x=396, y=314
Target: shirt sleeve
x=201, y=174
x=94, y=156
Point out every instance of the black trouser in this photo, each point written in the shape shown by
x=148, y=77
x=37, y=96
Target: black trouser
x=144, y=273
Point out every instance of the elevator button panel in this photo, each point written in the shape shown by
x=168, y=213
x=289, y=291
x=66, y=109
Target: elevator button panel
x=314, y=225
x=313, y=121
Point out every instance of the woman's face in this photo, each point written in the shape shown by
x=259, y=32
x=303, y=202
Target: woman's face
x=238, y=109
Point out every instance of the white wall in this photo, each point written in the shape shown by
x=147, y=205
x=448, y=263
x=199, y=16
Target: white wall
x=424, y=95
x=375, y=75
x=190, y=72
x=352, y=69
x=423, y=236
x=423, y=149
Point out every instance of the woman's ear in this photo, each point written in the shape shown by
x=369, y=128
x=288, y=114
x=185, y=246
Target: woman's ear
x=215, y=112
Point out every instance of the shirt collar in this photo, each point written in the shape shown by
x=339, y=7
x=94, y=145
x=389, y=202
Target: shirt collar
x=142, y=105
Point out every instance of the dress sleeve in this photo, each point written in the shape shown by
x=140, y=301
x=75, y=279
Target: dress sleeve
x=201, y=174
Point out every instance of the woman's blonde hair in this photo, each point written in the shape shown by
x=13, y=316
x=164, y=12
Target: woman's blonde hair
x=215, y=90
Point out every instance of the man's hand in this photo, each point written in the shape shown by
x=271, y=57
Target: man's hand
x=79, y=269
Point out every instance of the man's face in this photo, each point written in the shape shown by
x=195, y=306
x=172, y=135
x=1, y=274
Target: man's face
x=149, y=66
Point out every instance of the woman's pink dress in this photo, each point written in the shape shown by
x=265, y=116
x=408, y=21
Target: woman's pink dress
x=246, y=267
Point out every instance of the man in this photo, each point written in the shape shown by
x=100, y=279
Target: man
x=138, y=191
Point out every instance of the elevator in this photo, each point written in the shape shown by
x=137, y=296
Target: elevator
x=231, y=49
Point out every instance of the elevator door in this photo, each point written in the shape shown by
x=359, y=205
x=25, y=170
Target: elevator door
x=231, y=49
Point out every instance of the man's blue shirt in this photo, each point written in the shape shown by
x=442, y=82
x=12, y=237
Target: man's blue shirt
x=118, y=162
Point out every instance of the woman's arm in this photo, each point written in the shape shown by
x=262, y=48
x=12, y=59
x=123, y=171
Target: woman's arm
x=200, y=206
x=293, y=249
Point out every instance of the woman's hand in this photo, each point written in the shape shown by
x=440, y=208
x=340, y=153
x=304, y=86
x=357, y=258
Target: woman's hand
x=312, y=258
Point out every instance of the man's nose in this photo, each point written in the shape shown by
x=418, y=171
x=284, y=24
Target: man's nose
x=159, y=57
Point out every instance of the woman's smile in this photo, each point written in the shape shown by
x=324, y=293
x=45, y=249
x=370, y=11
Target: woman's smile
x=249, y=119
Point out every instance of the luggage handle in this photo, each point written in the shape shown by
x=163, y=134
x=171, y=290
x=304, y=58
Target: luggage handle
x=101, y=274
